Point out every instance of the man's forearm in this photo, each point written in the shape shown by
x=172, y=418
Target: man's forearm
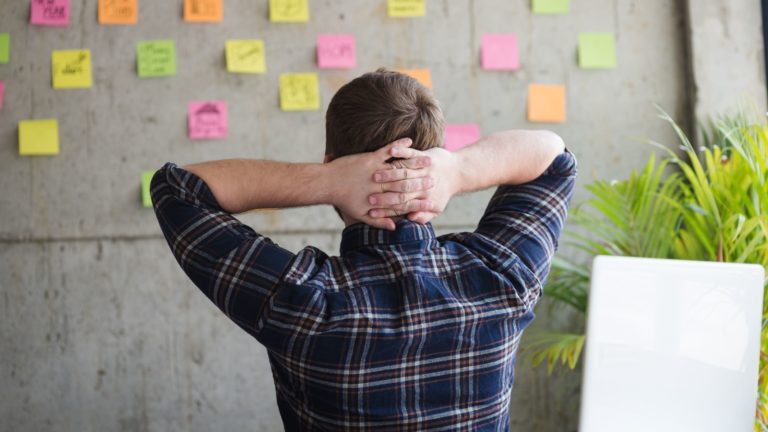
x=240, y=185
x=510, y=157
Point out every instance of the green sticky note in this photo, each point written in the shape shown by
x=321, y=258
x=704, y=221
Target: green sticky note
x=39, y=137
x=156, y=58
x=146, y=179
x=597, y=51
x=550, y=6
x=5, y=47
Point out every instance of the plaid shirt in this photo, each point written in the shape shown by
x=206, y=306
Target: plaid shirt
x=405, y=330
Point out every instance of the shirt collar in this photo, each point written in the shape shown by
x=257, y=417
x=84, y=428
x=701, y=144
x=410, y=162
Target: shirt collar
x=360, y=235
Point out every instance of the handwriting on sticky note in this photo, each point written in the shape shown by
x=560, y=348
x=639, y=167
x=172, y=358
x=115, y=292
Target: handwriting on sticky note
x=146, y=182
x=5, y=47
x=71, y=69
x=156, y=58
x=597, y=51
x=38, y=137
x=208, y=120
x=546, y=103
x=49, y=12
x=424, y=76
x=203, y=10
x=245, y=56
x=550, y=6
x=336, y=51
x=458, y=136
x=118, y=11
x=500, y=52
x=2, y=93
x=289, y=10
x=406, y=8
x=299, y=92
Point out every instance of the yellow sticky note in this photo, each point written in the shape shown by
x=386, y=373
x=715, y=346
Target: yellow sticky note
x=546, y=103
x=246, y=56
x=146, y=180
x=118, y=11
x=203, y=11
x=424, y=76
x=39, y=137
x=71, y=69
x=406, y=8
x=289, y=10
x=299, y=92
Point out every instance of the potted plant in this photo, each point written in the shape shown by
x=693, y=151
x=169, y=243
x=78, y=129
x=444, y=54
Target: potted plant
x=708, y=204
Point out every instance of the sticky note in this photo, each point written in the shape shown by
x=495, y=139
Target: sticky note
x=118, y=11
x=156, y=58
x=546, y=103
x=458, y=136
x=406, y=8
x=289, y=10
x=2, y=93
x=49, y=12
x=203, y=10
x=336, y=51
x=550, y=6
x=499, y=52
x=245, y=56
x=208, y=120
x=39, y=137
x=146, y=181
x=299, y=92
x=597, y=51
x=5, y=47
x=71, y=69
x=424, y=76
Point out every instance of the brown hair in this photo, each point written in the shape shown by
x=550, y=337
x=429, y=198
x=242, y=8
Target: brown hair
x=379, y=107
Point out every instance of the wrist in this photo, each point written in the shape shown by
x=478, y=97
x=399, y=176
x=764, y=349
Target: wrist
x=462, y=181
x=326, y=177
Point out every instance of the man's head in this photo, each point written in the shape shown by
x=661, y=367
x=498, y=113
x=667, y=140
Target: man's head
x=378, y=108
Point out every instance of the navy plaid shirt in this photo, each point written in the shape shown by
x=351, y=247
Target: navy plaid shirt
x=405, y=330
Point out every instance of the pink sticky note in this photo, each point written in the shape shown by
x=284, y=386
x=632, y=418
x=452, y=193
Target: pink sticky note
x=499, y=52
x=49, y=12
x=460, y=135
x=2, y=93
x=208, y=120
x=336, y=51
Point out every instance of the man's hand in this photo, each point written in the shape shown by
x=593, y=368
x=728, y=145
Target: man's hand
x=397, y=184
x=405, y=187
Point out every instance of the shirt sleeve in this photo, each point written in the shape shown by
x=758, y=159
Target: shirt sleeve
x=235, y=267
x=523, y=222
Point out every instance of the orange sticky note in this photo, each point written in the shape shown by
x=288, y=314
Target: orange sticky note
x=203, y=11
x=424, y=76
x=546, y=103
x=118, y=11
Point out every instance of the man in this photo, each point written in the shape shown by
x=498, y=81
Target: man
x=404, y=330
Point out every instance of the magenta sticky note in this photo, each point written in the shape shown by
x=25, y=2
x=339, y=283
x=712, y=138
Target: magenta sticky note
x=499, y=52
x=49, y=12
x=458, y=136
x=336, y=51
x=208, y=120
x=2, y=93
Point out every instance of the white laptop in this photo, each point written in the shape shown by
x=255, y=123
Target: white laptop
x=671, y=346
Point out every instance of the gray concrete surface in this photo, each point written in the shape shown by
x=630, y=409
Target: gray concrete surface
x=101, y=331
x=726, y=42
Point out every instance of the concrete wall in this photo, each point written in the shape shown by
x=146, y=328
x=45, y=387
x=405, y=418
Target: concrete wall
x=99, y=328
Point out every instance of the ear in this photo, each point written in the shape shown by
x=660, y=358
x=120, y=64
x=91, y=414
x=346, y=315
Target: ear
x=328, y=158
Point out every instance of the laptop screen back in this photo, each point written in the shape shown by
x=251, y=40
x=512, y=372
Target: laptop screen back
x=671, y=346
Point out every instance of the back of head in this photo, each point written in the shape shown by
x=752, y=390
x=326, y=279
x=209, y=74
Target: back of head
x=380, y=107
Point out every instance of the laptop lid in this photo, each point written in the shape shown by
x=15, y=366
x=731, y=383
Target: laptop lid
x=671, y=346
